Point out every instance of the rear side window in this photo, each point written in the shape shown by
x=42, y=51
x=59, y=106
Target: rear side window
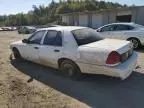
x=85, y=36
x=53, y=38
x=123, y=27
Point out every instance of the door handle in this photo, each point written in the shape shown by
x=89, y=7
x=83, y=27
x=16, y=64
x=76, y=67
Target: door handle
x=36, y=47
x=56, y=50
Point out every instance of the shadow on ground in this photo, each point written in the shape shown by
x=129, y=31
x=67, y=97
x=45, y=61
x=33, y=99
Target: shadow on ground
x=95, y=91
x=141, y=49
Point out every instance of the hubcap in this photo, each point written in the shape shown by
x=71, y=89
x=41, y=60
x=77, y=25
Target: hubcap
x=70, y=72
x=135, y=43
x=15, y=54
x=69, y=69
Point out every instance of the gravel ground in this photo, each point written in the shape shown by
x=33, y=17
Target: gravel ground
x=24, y=84
x=19, y=90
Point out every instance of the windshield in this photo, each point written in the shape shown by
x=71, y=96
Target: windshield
x=85, y=36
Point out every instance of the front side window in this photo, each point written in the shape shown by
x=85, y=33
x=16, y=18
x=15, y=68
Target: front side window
x=37, y=37
x=53, y=38
x=108, y=28
x=85, y=36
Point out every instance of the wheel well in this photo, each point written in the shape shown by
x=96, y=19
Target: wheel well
x=14, y=48
x=62, y=59
x=133, y=38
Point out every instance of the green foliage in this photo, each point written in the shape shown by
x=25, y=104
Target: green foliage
x=87, y=5
x=43, y=15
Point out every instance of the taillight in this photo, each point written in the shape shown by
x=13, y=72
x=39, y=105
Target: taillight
x=113, y=58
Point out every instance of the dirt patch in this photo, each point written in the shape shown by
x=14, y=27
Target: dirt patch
x=15, y=89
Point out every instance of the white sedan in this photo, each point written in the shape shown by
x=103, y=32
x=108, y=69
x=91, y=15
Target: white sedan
x=77, y=50
x=125, y=31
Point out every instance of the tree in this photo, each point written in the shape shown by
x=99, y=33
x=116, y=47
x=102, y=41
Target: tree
x=45, y=14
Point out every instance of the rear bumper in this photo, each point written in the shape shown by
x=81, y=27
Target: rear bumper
x=122, y=70
x=126, y=68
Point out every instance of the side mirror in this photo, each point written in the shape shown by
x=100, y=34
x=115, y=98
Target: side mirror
x=99, y=30
x=25, y=41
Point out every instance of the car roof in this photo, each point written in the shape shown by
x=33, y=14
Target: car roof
x=129, y=24
x=60, y=28
x=123, y=23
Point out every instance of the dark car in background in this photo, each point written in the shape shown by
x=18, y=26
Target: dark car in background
x=46, y=26
x=26, y=29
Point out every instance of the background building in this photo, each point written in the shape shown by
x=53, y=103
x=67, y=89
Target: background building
x=96, y=19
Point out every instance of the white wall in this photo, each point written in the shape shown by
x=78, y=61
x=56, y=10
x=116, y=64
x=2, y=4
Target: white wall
x=97, y=20
x=140, y=16
x=120, y=13
x=83, y=20
x=65, y=19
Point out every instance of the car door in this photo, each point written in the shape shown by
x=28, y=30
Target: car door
x=107, y=31
x=120, y=31
x=51, y=49
x=31, y=49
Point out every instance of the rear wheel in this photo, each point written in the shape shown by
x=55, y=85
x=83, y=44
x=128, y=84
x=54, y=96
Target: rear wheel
x=19, y=32
x=136, y=43
x=16, y=53
x=71, y=69
x=27, y=32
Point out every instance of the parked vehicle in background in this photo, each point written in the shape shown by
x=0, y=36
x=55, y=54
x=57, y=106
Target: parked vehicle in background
x=14, y=28
x=77, y=50
x=47, y=26
x=26, y=29
x=6, y=28
x=1, y=29
x=54, y=26
x=126, y=31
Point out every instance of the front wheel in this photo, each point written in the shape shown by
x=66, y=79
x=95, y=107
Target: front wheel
x=71, y=69
x=136, y=43
x=16, y=54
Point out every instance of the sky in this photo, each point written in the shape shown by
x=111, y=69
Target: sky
x=17, y=6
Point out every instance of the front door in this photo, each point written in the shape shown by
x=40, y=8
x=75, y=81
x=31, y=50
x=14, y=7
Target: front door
x=51, y=49
x=31, y=49
x=107, y=31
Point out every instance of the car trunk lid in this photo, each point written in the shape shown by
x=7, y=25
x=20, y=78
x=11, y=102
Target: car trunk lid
x=121, y=46
x=103, y=48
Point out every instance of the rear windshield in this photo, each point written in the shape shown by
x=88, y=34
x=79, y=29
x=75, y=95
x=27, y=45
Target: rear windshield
x=85, y=36
x=138, y=25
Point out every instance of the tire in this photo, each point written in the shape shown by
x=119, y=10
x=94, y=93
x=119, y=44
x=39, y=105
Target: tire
x=19, y=32
x=16, y=54
x=70, y=69
x=136, y=43
x=27, y=32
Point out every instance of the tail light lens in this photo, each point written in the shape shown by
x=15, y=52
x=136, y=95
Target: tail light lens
x=113, y=58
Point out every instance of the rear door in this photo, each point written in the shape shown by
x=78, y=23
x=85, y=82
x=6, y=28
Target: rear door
x=51, y=49
x=120, y=31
